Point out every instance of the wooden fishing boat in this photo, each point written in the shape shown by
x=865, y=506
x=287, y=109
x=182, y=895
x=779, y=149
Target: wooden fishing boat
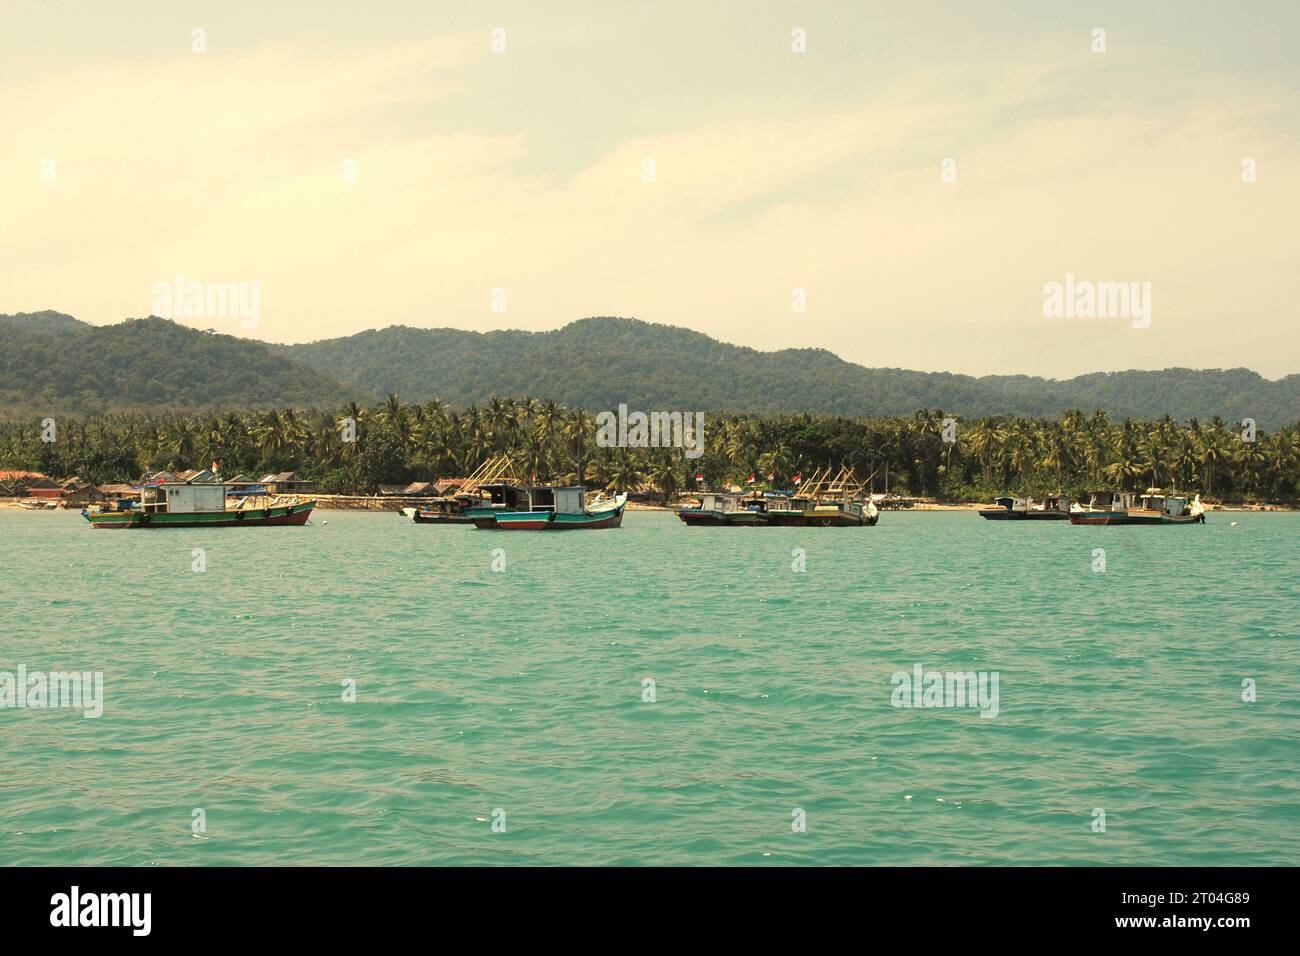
x=38, y=504
x=1052, y=508
x=829, y=499
x=811, y=513
x=196, y=506
x=488, y=500
x=722, y=510
x=439, y=511
x=1125, y=507
x=545, y=508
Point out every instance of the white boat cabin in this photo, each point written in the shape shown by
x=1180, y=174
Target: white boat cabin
x=561, y=500
x=1174, y=505
x=1111, y=500
x=1012, y=504
x=780, y=504
x=569, y=501
x=183, y=499
x=725, y=503
x=1055, y=503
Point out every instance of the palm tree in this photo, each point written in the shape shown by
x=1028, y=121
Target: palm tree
x=1212, y=455
x=624, y=474
x=665, y=474
x=984, y=438
x=579, y=434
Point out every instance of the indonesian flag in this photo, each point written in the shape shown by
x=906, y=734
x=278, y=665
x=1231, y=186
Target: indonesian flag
x=751, y=479
x=699, y=477
x=798, y=478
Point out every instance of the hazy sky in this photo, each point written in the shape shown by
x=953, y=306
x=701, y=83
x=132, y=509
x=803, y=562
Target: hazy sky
x=524, y=170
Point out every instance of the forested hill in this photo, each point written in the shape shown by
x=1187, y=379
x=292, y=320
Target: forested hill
x=48, y=322
x=597, y=363
x=50, y=363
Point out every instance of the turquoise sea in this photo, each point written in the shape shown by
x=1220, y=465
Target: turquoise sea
x=522, y=691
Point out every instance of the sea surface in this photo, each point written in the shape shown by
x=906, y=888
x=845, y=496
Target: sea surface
x=518, y=697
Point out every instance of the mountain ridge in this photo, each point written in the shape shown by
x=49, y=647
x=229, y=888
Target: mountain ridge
x=51, y=362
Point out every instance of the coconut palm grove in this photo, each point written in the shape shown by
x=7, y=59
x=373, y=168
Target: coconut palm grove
x=396, y=442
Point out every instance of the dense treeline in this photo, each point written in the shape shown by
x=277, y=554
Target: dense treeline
x=396, y=442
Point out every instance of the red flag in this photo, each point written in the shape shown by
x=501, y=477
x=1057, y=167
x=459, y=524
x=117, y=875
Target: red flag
x=699, y=477
x=751, y=479
x=798, y=478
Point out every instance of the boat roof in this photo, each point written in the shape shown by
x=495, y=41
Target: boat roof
x=511, y=484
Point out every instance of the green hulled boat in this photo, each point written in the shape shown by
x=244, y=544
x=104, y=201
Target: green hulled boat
x=195, y=506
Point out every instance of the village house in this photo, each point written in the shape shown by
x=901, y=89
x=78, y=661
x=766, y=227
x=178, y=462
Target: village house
x=119, y=492
x=196, y=476
x=243, y=485
x=287, y=483
x=44, y=488
x=85, y=495
x=15, y=480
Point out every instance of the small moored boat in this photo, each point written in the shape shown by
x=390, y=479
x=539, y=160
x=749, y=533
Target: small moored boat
x=439, y=511
x=1052, y=508
x=545, y=508
x=723, y=510
x=196, y=506
x=1125, y=507
x=808, y=512
x=828, y=500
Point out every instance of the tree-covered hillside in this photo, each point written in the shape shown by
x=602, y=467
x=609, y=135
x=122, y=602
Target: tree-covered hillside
x=52, y=364
x=143, y=364
x=599, y=362
x=48, y=322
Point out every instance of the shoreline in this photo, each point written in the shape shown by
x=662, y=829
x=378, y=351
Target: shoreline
x=362, y=503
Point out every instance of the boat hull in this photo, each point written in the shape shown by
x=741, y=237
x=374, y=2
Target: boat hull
x=549, y=521
x=699, y=518
x=566, y=522
x=248, y=518
x=1132, y=517
x=440, y=518
x=1001, y=514
x=722, y=519
x=836, y=518
x=839, y=519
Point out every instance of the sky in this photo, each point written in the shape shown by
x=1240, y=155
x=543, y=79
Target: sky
x=897, y=183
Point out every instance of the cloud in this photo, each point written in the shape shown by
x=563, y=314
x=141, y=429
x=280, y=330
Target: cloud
x=229, y=168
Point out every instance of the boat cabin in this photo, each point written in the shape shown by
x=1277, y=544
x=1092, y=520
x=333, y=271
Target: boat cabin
x=725, y=503
x=560, y=499
x=182, y=499
x=569, y=501
x=507, y=497
x=1012, y=504
x=1111, y=500
x=785, y=504
x=1156, y=500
